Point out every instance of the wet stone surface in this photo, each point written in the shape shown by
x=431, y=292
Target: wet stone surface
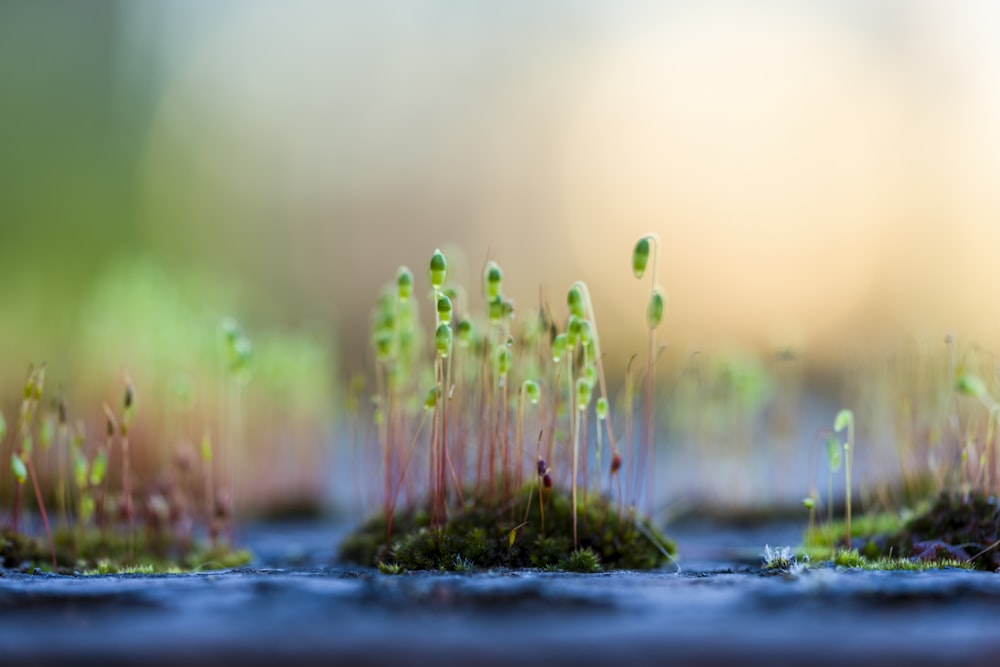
x=294, y=605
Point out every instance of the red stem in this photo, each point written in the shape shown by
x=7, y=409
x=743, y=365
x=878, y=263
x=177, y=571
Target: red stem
x=41, y=509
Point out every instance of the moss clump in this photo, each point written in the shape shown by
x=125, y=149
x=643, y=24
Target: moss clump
x=953, y=529
x=110, y=553
x=581, y=560
x=481, y=537
x=852, y=559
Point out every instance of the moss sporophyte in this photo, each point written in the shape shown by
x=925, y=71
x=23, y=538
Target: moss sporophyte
x=959, y=527
x=106, y=522
x=499, y=414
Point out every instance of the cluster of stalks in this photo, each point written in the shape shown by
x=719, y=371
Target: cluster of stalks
x=938, y=409
x=935, y=422
x=467, y=407
x=103, y=508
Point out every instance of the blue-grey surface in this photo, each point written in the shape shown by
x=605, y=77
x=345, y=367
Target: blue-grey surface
x=295, y=607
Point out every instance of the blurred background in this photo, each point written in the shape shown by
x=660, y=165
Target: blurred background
x=822, y=176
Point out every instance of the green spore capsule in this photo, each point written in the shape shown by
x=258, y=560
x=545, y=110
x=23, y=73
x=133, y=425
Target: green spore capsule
x=531, y=391
x=80, y=467
x=404, y=284
x=444, y=309
x=230, y=329
x=601, y=408
x=503, y=361
x=496, y=310
x=442, y=340
x=969, y=385
x=244, y=353
x=464, y=330
x=493, y=278
x=583, y=394
x=383, y=344
x=18, y=468
x=430, y=401
x=590, y=374
x=586, y=332
x=574, y=299
x=654, y=312
x=98, y=468
x=843, y=418
x=438, y=269
x=833, y=453
x=559, y=344
x=640, y=257
x=573, y=331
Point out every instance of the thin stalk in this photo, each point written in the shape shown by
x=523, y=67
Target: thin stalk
x=629, y=444
x=598, y=359
x=576, y=448
x=41, y=510
x=847, y=471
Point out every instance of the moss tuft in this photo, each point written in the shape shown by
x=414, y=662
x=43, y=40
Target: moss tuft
x=110, y=553
x=478, y=537
x=953, y=529
x=581, y=560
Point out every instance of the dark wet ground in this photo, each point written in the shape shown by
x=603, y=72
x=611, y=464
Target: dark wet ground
x=295, y=607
